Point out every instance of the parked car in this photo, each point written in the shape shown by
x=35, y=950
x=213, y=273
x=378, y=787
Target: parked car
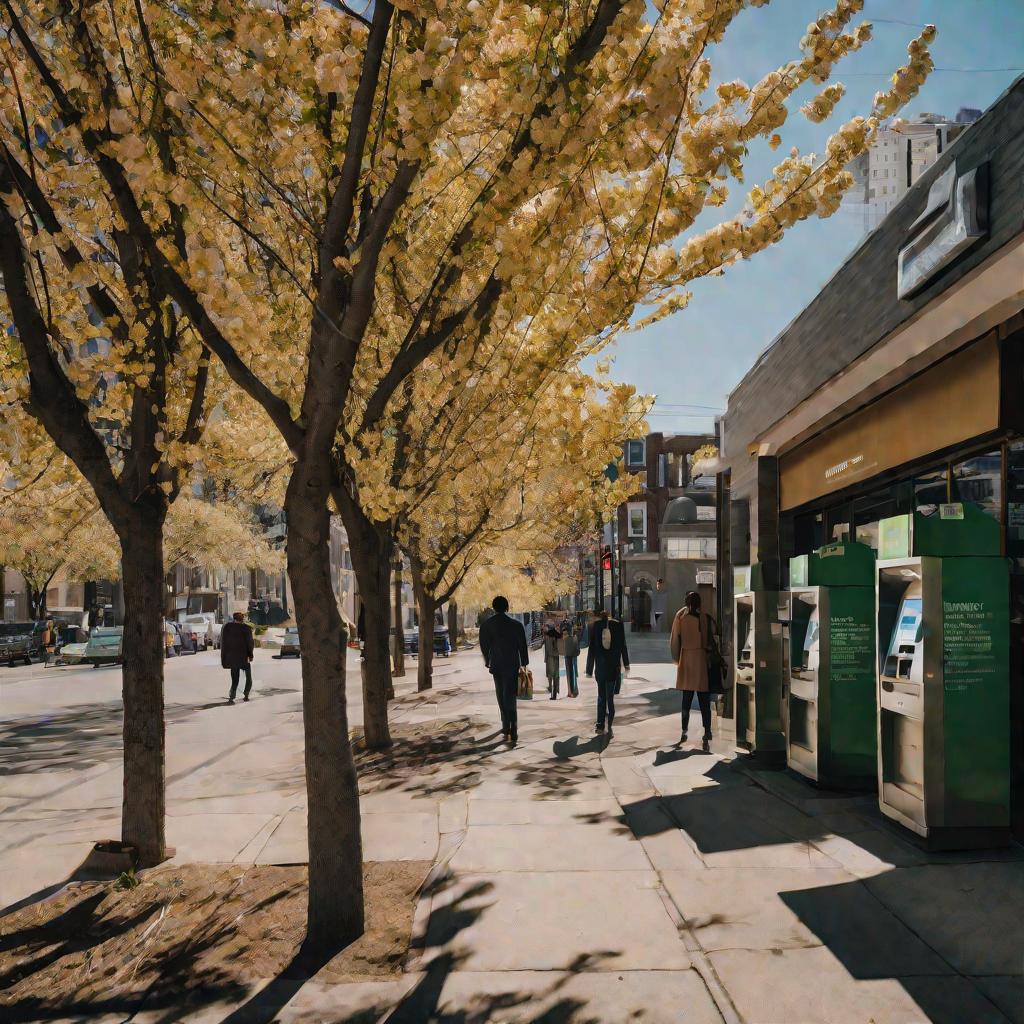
x=19, y=641
x=290, y=642
x=104, y=646
x=206, y=628
x=442, y=645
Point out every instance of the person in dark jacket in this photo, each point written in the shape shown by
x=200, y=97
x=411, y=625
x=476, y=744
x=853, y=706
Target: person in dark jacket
x=236, y=647
x=606, y=662
x=503, y=645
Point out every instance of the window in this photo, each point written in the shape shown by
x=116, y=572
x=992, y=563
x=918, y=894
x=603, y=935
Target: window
x=636, y=453
x=663, y=470
x=636, y=519
x=690, y=547
x=978, y=482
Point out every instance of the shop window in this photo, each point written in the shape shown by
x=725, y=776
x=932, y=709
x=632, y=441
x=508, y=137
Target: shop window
x=838, y=523
x=870, y=510
x=978, y=482
x=807, y=533
x=931, y=490
x=690, y=547
x=1015, y=503
x=636, y=518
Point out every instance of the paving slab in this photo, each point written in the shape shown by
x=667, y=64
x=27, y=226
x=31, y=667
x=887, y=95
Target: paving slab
x=213, y=838
x=869, y=852
x=1005, y=993
x=565, y=997
x=547, y=920
x=810, y=986
x=565, y=847
x=541, y=812
x=973, y=914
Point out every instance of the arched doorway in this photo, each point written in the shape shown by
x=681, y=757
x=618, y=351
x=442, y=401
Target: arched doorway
x=641, y=604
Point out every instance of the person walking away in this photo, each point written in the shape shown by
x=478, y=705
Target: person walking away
x=236, y=649
x=552, y=642
x=659, y=602
x=692, y=630
x=571, y=651
x=607, y=658
x=503, y=645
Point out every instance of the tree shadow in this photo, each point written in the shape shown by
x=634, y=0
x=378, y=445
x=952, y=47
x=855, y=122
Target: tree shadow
x=425, y=765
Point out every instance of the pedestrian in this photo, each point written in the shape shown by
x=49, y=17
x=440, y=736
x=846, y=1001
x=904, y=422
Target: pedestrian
x=607, y=659
x=552, y=640
x=659, y=602
x=693, y=632
x=503, y=645
x=570, y=651
x=236, y=649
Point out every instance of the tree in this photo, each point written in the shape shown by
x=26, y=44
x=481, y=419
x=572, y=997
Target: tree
x=512, y=504
x=333, y=199
x=54, y=532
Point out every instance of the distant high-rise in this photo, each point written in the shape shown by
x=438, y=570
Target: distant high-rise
x=900, y=154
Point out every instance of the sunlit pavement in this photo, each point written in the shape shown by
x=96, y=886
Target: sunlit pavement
x=577, y=877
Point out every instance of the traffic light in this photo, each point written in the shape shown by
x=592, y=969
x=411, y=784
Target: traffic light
x=606, y=557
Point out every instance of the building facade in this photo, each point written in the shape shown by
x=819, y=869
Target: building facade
x=666, y=531
x=900, y=154
x=900, y=387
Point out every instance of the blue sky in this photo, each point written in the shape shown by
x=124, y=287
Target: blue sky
x=696, y=357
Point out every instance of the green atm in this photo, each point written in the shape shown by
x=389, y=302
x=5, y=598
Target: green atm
x=943, y=619
x=757, y=642
x=830, y=733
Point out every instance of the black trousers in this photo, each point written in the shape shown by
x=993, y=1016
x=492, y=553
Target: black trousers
x=505, y=687
x=234, y=680
x=704, y=699
x=606, y=688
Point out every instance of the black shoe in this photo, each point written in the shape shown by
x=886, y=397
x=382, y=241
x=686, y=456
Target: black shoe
x=706, y=744
x=231, y=700
x=554, y=696
x=599, y=727
x=513, y=738
x=682, y=739
x=246, y=698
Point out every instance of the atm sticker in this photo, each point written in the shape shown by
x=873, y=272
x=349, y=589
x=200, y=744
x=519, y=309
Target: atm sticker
x=954, y=510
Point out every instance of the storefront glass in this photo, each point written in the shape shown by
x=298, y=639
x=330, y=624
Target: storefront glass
x=978, y=481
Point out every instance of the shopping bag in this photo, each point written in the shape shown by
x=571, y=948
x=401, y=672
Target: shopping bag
x=525, y=687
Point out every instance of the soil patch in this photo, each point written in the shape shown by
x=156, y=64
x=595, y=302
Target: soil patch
x=192, y=934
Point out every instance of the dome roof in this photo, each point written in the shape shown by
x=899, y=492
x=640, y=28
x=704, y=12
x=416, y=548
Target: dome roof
x=680, y=510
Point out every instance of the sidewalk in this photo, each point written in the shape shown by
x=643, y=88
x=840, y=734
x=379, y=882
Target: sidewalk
x=581, y=878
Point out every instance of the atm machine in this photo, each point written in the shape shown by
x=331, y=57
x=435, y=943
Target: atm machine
x=758, y=621
x=943, y=612
x=830, y=704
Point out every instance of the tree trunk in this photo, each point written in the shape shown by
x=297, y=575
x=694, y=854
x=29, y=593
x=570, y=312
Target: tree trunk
x=398, y=648
x=143, y=799
x=453, y=623
x=426, y=606
x=370, y=545
x=335, y=898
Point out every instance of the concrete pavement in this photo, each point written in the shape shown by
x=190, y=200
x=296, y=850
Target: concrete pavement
x=577, y=877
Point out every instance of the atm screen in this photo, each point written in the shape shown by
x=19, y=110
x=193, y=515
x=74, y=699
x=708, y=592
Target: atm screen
x=810, y=661
x=910, y=618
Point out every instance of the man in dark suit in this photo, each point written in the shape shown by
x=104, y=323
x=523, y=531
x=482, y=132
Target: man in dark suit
x=606, y=664
x=503, y=645
x=236, y=647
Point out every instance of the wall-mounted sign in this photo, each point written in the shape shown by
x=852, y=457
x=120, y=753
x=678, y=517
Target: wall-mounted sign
x=954, y=218
x=841, y=467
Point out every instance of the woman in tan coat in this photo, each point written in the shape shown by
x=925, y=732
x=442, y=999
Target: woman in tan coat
x=692, y=630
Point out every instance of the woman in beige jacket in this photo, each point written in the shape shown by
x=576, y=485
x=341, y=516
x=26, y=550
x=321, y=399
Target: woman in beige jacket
x=692, y=630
